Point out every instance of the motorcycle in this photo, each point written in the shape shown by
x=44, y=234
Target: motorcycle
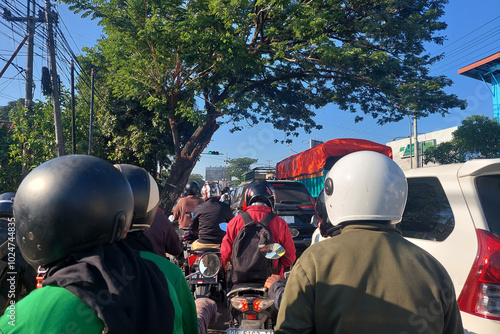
x=209, y=286
x=206, y=279
x=250, y=308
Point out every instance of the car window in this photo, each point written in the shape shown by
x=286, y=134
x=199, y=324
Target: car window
x=428, y=213
x=488, y=189
x=291, y=193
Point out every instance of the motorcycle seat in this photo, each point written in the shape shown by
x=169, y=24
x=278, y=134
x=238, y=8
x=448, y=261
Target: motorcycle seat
x=238, y=288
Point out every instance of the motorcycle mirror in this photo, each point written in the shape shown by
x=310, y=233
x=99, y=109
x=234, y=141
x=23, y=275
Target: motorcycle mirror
x=209, y=264
x=274, y=251
x=223, y=226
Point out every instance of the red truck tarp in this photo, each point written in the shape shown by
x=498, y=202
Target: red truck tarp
x=313, y=160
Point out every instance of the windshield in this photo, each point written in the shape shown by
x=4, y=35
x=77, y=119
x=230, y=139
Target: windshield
x=291, y=194
x=488, y=188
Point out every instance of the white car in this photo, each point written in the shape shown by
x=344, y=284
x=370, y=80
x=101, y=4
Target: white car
x=453, y=212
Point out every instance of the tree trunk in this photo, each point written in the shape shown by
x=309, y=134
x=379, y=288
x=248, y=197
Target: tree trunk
x=184, y=163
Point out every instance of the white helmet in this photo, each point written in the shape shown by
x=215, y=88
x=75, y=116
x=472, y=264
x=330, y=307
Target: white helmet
x=210, y=189
x=365, y=185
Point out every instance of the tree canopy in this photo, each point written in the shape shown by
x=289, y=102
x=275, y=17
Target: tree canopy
x=477, y=137
x=237, y=167
x=206, y=61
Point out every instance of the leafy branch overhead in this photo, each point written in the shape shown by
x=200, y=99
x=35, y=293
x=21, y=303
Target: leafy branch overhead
x=271, y=61
x=206, y=61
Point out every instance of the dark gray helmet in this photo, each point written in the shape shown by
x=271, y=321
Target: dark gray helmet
x=69, y=204
x=146, y=195
x=6, y=203
x=192, y=188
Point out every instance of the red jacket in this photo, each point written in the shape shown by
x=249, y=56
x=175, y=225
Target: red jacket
x=278, y=227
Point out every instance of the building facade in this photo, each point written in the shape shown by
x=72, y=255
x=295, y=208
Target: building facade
x=404, y=155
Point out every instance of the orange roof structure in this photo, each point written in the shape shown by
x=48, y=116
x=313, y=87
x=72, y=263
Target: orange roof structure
x=313, y=160
x=481, y=68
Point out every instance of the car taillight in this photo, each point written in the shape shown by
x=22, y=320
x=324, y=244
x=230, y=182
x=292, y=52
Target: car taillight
x=262, y=304
x=310, y=206
x=239, y=304
x=481, y=293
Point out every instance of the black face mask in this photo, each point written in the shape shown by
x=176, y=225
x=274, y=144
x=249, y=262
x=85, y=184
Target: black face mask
x=328, y=230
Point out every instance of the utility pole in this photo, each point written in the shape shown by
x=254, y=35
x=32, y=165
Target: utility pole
x=73, y=125
x=13, y=56
x=55, y=84
x=30, y=20
x=28, y=101
x=411, y=146
x=91, y=126
x=417, y=161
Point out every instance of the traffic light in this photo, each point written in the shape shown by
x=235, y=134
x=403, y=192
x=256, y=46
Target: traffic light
x=214, y=152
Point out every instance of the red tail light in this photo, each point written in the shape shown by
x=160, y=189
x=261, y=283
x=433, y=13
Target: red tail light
x=239, y=304
x=262, y=304
x=481, y=293
x=309, y=207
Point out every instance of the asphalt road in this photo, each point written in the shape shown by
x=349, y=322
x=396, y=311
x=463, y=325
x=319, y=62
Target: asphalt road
x=222, y=320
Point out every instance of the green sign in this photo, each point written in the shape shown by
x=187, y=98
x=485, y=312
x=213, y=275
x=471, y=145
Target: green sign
x=422, y=147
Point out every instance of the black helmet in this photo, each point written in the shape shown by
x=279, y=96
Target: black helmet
x=192, y=188
x=69, y=204
x=146, y=195
x=326, y=228
x=259, y=191
x=6, y=203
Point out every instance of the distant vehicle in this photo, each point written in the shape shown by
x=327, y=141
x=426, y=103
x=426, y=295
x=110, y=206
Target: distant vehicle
x=311, y=166
x=293, y=203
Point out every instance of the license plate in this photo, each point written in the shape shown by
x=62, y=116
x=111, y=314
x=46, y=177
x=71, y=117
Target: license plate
x=199, y=278
x=248, y=331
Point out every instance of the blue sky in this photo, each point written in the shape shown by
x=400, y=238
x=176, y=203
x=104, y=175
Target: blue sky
x=473, y=33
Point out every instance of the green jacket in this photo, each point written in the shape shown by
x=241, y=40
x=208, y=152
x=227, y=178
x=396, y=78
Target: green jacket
x=68, y=314
x=368, y=279
x=176, y=279
x=50, y=309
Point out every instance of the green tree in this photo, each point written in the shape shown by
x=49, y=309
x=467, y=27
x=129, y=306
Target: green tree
x=266, y=61
x=477, y=137
x=10, y=172
x=239, y=166
x=32, y=139
x=125, y=130
x=4, y=110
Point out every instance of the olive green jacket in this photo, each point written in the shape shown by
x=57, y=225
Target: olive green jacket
x=368, y=279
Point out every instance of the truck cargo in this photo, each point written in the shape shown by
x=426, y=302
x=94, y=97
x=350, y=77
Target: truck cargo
x=311, y=166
